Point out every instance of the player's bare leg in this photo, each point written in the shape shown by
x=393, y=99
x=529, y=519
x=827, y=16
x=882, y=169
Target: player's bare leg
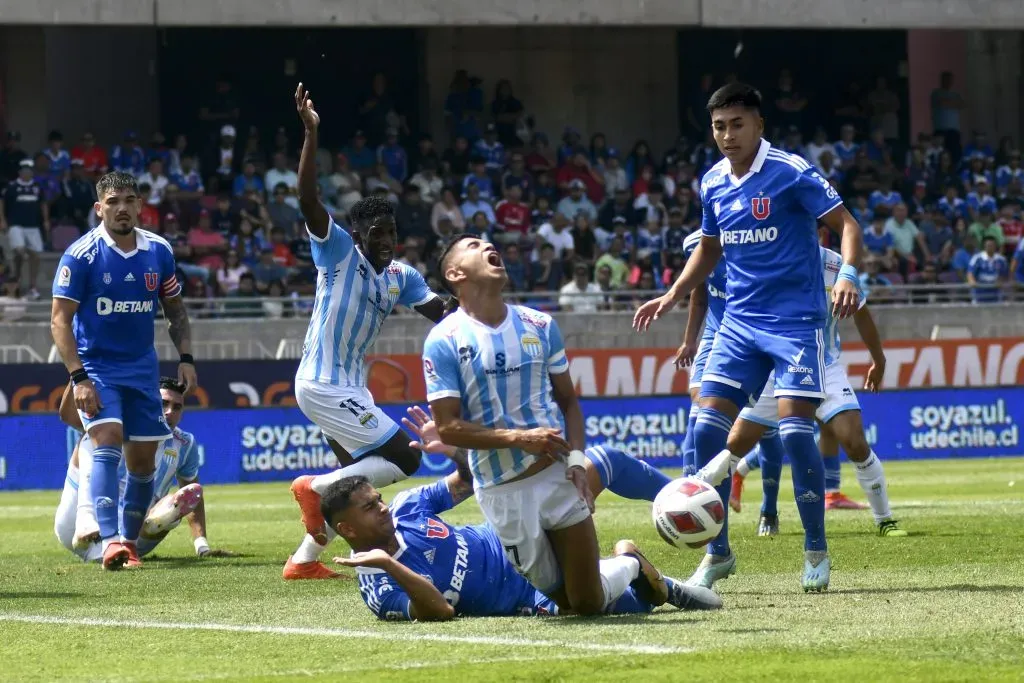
x=847, y=428
x=140, y=461
x=834, y=498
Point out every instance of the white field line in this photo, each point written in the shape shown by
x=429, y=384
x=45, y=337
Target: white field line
x=387, y=634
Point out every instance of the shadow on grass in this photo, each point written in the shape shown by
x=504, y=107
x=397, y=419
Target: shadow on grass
x=42, y=595
x=958, y=588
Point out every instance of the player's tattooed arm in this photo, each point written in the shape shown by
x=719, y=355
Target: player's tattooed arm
x=460, y=482
x=178, y=325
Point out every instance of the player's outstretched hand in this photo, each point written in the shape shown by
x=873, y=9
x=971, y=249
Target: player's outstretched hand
x=873, y=380
x=304, y=105
x=543, y=441
x=187, y=377
x=651, y=311
x=578, y=477
x=420, y=424
x=845, y=299
x=87, y=399
x=685, y=354
x=376, y=558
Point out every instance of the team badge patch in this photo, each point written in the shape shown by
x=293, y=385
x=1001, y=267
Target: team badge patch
x=369, y=420
x=64, y=277
x=428, y=368
x=152, y=281
x=106, y=278
x=760, y=207
x=393, y=290
x=531, y=345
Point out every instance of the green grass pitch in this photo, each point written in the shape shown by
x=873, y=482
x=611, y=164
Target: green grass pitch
x=945, y=604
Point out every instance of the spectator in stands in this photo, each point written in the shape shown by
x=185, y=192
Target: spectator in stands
x=507, y=111
x=412, y=258
x=49, y=183
x=428, y=182
x=378, y=112
x=247, y=180
x=345, y=185
x=542, y=212
x=1012, y=227
x=208, y=245
x=267, y=269
x=158, y=149
x=845, y=149
x=906, y=240
x=980, y=200
x=479, y=177
x=928, y=292
x=987, y=272
x=179, y=150
x=584, y=240
x=512, y=215
x=577, y=200
x=1017, y=265
x=149, y=215
x=612, y=259
x=60, y=159
x=225, y=217
x=463, y=106
x=229, y=275
x=938, y=235
x=645, y=284
x=412, y=215
x=604, y=283
x=518, y=271
x=818, y=145
x=572, y=142
x=424, y=153
x=128, y=157
x=480, y=226
x=25, y=216
x=253, y=208
x=184, y=254
x=675, y=234
x=540, y=158
x=884, y=196
x=490, y=150
x=456, y=159
x=304, y=271
x=547, y=270
x=871, y=279
x=157, y=182
x=620, y=206
x=675, y=263
x=650, y=206
x=240, y=303
x=946, y=106
x=80, y=196
x=614, y=175
x=474, y=202
x=279, y=175
x=224, y=161
x=918, y=171
x=188, y=179
x=883, y=109
x=985, y=227
x=558, y=236
x=276, y=308
x=979, y=148
x=282, y=213
x=1010, y=171
x=11, y=157
x=637, y=160
x=580, y=295
x=952, y=206
x=518, y=175
x=394, y=156
x=861, y=178
x=447, y=209
x=280, y=248
x=361, y=158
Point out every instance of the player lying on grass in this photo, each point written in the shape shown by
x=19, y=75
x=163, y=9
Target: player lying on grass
x=839, y=415
x=414, y=565
x=75, y=521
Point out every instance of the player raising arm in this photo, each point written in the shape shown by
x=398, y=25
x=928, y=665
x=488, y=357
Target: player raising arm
x=358, y=285
x=105, y=297
x=761, y=207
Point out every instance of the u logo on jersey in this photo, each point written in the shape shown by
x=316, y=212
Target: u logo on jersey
x=152, y=281
x=760, y=207
x=436, y=529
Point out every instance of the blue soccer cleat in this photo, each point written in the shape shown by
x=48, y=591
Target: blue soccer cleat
x=711, y=569
x=686, y=597
x=817, y=571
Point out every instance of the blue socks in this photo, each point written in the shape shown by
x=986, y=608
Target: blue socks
x=831, y=472
x=771, y=451
x=629, y=603
x=689, y=468
x=709, y=437
x=104, y=488
x=808, y=478
x=626, y=476
x=138, y=494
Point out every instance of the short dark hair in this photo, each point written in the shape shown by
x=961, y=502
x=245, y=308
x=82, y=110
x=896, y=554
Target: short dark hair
x=368, y=211
x=735, y=95
x=442, y=260
x=116, y=181
x=172, y=384
x=987, y=239
x=338, y=496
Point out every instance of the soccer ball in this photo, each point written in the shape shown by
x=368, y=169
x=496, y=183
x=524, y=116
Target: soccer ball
x=688, y=513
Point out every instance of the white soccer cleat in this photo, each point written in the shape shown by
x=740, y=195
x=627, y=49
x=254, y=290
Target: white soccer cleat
x=817, y=571
x=170, y=510
x=717, y=470
x=85, y=535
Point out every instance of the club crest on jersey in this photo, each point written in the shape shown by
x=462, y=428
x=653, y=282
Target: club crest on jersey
x=369, y=420
x=393, y=290
x=152, y=281
x=760, y=207
x=106, y=278
x=436, y=529
x=531, y=345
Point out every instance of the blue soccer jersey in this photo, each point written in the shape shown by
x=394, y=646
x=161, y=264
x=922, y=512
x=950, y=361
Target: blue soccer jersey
x=502, y=376
x=466, y=564
x=118, y=295
x=352, y=303
x=831, y=262
x=767, y=222
x=715, y=285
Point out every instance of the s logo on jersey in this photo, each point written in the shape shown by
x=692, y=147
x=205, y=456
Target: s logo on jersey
x=761, y=207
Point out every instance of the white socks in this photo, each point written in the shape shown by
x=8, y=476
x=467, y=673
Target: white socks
x=616, y=575
x=309, y=550
x=379, y=471
x=871, y=478
x=743, y=469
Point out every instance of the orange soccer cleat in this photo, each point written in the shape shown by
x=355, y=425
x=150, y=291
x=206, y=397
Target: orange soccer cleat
x=835, y=500
x=133, y=561
x=309, y=504
x=297, y=571
x=736, y=494
x=115, y=556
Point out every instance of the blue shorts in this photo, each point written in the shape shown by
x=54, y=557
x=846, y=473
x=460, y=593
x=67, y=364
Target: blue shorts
x=701, y=357
x=742, y=357
x=140, y=413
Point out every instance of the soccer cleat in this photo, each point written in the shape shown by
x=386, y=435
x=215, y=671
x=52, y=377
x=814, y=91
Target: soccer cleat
x=298, y=571
x=309, y=504
x=768, y=525
x=716, y=471
x=133, y=561
x=168, y=511
x=890, y=527
x=115, y=555
x=817, y=571
x=711, y=569
x=83, y=538
x=650, y=585
x=835, y=500
x=736, y=494
x=686, y=597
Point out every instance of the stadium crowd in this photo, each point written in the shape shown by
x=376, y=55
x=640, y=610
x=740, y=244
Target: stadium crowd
x=581, y=216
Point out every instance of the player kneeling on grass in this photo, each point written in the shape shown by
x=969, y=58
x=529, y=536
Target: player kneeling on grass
x=414, y=565
x=177, y=459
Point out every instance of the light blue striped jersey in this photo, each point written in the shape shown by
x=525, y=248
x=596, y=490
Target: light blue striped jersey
x=177, y=460
x=715, y=284
x=831, y=263
x=501, y=375
x=352, y=303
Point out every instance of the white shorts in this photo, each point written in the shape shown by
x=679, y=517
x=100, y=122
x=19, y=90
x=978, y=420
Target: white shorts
x=347, y=415
x=839, y=397
x=25, y=238
x=521, y=512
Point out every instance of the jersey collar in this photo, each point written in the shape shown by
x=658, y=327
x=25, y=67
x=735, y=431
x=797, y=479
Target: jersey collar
x=141, y=241
x=762, y=154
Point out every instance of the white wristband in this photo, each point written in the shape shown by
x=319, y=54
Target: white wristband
x=202, y=546
x=576, y=459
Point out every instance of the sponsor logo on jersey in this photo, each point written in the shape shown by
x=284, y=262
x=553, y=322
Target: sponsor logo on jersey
x=750, y=236
x=106, y=278
x=761, y=207
x=129, y=278
x=428, y=368
x=539, y=323
x=429, y=555
x=736, y=206
x=807, y=381
x=105, y=306
x=64, y=277
x=394, y=269
x=531, y=345
x=369, y=420
x=795, y=369
x=466, y=353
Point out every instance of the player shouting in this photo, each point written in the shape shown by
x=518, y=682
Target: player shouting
x=839, y=415
x=761, y=207
x=358, y=285
x=414, y=565
x=105, y=297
